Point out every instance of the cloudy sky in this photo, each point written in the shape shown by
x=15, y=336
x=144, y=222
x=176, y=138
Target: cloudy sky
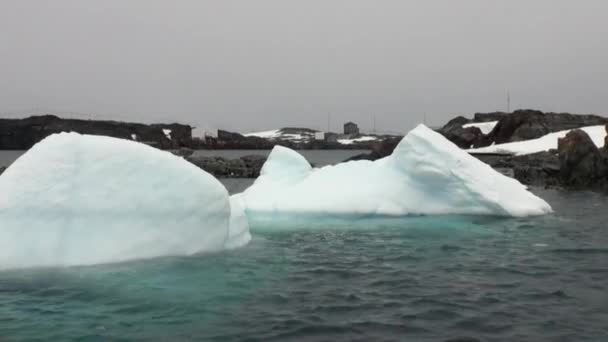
x=253, y=65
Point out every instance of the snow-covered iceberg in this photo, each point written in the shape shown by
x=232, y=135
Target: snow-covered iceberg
x=79, y=199
x=425, y=175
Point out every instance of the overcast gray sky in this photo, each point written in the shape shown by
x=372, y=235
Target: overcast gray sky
x=253, y=65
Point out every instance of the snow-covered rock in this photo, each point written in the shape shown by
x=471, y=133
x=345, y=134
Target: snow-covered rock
x=426, y=174
x=356, y=140
x=484, y=127
x=544, y=143
x=77, y=199
x=287, y=134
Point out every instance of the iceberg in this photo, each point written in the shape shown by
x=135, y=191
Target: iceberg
x=425, y=175
x=79, y=199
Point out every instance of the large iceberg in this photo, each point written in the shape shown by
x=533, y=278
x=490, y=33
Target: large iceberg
x=79, y=199
x=425, y=175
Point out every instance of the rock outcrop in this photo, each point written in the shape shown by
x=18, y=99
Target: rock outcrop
x=517, y=126
x=532, y=124
x=2, y=168
x=582, y=164
x=379, y=150
x=487, y=117
x=244, y=167
x=537, y=169
x=21, y=134
x=462, y=137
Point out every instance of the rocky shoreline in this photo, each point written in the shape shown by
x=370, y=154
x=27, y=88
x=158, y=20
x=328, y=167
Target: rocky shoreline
x=21, y=134
x=576, y=164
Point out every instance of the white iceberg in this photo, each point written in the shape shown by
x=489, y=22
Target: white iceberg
x=425, y=175
x=78, y=200
x=544, y=143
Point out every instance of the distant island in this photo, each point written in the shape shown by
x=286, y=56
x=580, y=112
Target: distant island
x=21, y=134
x=541, y=149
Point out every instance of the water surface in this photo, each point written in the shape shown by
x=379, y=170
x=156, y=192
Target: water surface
x=410, y=279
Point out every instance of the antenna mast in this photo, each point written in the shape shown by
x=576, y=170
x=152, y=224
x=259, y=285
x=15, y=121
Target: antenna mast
x=374, y=122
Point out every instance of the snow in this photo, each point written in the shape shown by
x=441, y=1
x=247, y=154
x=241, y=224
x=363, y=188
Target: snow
x=485, y=127
x=78, y=200
x=134, y=137
x=265, y=134
x=544, y=143
x=426, y=175
x=360, y=139
x=291, y=136
x=279, y=134
x=167, y=133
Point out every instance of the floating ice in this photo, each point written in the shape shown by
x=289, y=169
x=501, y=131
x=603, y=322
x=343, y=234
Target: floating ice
x=78, y=199
x=426, y=174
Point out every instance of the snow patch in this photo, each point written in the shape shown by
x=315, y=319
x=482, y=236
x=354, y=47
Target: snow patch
x=544, y=143
x=485, y=127
x=355, y=140
x=167, y=133
x=265, y=134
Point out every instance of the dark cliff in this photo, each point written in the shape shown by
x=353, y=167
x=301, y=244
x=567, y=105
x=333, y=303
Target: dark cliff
x=517, y=126
x=21, y=134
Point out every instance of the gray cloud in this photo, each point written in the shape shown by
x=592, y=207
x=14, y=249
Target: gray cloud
x=252, y=65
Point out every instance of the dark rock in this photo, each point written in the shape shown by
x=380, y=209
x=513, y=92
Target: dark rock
x=232, y=140
x=2, y=168
x=517, y=126
x=486, y=117
x=582, y=164
x=462, y=137
x=254, y=163
x=532, y=124
x=183, y=152
x=21, y=134
x=244, y=167
x=606, y=138
x=380, y=149
x=537, y=169
x=457, y=121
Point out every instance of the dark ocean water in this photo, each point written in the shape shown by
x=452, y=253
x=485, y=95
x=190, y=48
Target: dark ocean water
x=411, y=279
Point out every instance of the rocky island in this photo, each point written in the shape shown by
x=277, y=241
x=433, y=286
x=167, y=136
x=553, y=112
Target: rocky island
x=563, y=153
x=21, y=134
